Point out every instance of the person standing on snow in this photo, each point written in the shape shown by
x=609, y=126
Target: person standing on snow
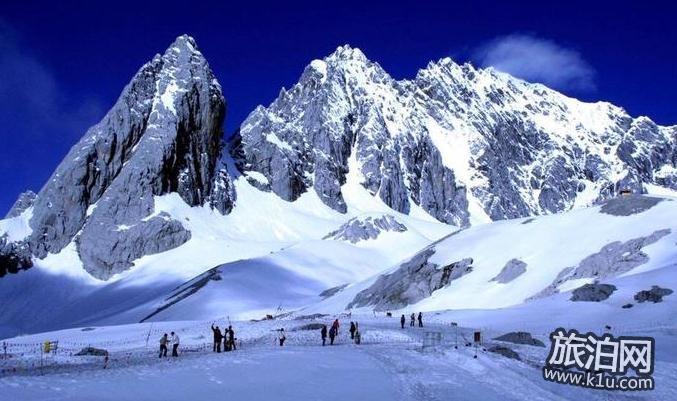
x=217, y=338
x=163, y=345
x=358, y=336
x=335, y=325
x=420, y=319
x=332, y=335
x=282, y=337
x=175, y=345
x=402, y=321
x=413, y=320
x=231, y=339
x=323, y=334
x=352, y=330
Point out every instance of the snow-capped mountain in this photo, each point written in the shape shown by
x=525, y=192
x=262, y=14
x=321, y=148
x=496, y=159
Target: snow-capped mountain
x=347, y=175
x=466, y=145
x=162, y=135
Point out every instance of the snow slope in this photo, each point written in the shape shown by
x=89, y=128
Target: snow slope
x=280, y=238
x=547, y=245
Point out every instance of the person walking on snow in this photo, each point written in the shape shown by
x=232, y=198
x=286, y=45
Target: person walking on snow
x=175, y=344
x=352, y=330
x=420, y=319
x=217, y=338
x=332, y=335
x=163, y=345
x=282, y=337
x=335, y=325
x=402, y=321
x=413, y=320
x=323, y=334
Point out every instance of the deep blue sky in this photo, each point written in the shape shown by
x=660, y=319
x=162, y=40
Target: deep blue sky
x=62, y=66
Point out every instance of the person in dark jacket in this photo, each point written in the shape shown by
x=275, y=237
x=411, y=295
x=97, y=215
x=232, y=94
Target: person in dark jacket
x=230, y=333
x=335, y=326
x=403, y=320
x=332, y=335
x=323, y=333
x=413, y=320
x=352, y=330
x=358, y=335
x=217, y=338
x=282, y=337
x=163, y=345
x=420, y=319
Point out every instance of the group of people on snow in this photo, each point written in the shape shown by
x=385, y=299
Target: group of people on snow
x=227, y=337
x=333, y=333
x=413, y=319
x=165, y=341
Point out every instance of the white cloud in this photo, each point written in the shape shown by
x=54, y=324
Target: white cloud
x=537, y=60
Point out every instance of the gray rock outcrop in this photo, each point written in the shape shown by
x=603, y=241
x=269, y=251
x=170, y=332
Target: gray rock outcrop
x=612, y=260
x=361, y=229
x=14, y=256
x=655, y=294
x=592, y=292
x=505, y=351
x=520, y=337
x=629, y=204
x=413, y=281
x=513, y=269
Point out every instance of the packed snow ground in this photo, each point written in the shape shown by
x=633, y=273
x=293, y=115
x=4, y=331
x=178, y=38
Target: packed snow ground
x=390, y=364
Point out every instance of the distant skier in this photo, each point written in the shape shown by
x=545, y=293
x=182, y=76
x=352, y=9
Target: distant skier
x=282, y=337
x=332, y=335
x=175, y=344
x=217, y=338
x=412, y=323
x=358, y=335
x=323, y=334
x=420, y=319
x=163, y=346
x=352, y=330
x=402, y=321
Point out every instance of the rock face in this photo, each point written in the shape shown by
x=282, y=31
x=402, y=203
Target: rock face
x=362, y=229
x=25, y=201
x=14, y=256
x=513, y=269
x=592, y=292
x=629, y=205
x=413, y=281
x=520, y=337
x=612, y=260
x=655, y=294
x=505, y=351
x=162, y=135
x=452, y=137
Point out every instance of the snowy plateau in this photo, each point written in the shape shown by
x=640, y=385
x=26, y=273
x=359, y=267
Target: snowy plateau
x=487, y=203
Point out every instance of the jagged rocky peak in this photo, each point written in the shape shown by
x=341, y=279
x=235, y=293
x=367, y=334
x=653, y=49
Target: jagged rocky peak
x=365, y=228
x=347, y=113
x=23, y=202
x=465, y=144
x=164, y=134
